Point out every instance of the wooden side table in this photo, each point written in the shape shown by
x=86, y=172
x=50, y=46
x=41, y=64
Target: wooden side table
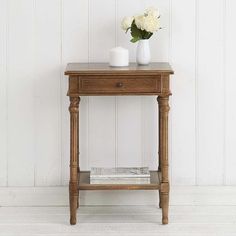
x=97, y=79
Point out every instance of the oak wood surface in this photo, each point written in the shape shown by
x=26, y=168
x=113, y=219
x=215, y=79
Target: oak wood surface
x=104, y=68
x=119, y=84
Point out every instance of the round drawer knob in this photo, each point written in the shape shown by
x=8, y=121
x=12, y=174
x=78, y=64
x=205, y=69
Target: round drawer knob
x=119, y=85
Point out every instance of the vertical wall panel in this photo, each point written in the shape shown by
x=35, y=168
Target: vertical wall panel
x=21, y=106
x=230, y=92
x=75, y=48
x=102, y=29
x=3, y=92
x=83, y=133
x=149, y=133
x=47, y=90
x=210, y=92
x=183, y=86
x=129, y=135
x=101, y=132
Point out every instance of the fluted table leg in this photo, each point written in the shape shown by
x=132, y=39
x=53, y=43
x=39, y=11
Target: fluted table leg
x=74, y=162
x=163, y=102
x=159, y=156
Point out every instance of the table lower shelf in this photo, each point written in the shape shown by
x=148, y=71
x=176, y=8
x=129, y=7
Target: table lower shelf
x=84, y=183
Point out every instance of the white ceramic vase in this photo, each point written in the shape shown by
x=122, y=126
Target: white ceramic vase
x=143, y=56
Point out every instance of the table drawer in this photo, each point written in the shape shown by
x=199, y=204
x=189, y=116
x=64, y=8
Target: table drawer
x=119, y=84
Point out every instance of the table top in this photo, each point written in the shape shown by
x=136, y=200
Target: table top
x=104, y=68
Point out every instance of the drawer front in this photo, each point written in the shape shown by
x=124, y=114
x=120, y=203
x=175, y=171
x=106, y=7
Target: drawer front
x=119, y=85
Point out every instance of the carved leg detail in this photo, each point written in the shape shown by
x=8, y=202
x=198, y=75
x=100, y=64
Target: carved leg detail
x=164, y=108
x=74, y=162
x=159, y=147
x=159, y=140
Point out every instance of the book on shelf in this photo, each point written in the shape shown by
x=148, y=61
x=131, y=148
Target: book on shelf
x=120, y=175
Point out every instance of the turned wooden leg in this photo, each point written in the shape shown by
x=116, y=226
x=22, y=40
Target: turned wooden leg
x=165, y=207
x=73, y=207
x=159, y=138
x=74, y=138
x=159, y=156
x=164, y=108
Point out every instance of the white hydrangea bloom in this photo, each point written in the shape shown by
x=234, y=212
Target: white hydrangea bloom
x=139, y=20
x=149, y=22
x=127, y=22
x=152, y=11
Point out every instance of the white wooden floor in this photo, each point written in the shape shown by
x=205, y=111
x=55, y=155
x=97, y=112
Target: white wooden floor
x=118, y=220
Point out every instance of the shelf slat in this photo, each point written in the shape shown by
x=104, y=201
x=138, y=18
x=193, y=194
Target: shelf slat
x=84, y=183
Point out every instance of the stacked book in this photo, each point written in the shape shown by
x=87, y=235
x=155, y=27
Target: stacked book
x=120, y=175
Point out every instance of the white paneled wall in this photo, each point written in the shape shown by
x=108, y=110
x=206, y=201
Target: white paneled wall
x=210, y=85
x=3, y=94
x=183, y=58
x=39, y=37
x=230, y=92
x=20, y=82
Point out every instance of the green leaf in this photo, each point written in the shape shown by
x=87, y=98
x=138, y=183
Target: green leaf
x=145, y=34
x=135, y=39
x=138, y=34
x=150, y=35
x=135, y=32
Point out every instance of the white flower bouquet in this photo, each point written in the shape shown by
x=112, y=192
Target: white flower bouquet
x=142, y=26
